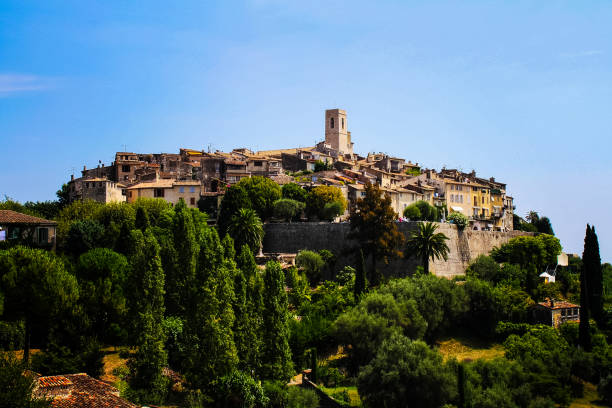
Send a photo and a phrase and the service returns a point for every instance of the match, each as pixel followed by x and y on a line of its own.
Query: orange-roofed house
pixel 15 226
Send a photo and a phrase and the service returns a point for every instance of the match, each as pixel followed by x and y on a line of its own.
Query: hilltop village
pixel 200 177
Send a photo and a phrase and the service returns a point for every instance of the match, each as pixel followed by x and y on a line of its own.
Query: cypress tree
pixel 148 309
pixel 584 330
pixel 181 281
pixel 210 349
pixel 592 263
pixel 461 385
pixel 253 324
pixel 142 219
pixel 360 275
pixel 276 360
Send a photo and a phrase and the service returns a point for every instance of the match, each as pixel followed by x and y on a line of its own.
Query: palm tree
pixel 245 227
pixel 426 243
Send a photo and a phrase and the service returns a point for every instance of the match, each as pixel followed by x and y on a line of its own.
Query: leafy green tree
pixel 373 227
pixel 238 390
pixel 545 357
pixel 425 243
pixel 540 224
pixel 412 212
pixel 312 264
pixel 332 210
pixel 293 191
pixel 75 211
pixel 246 228
pixel 36 287
pixel 262 193
pixel 288 209
pixel 148 305
pixel 63 196
pixel 154 207
pixel 484 267
pixel 276 357
pixel 440 301
pixel 210 351
pixel 483 310
pixel 235 198
pixel 406 371
pixel 46 209
pixel 421 211
pixel 112 216
pixel 374 320
pixel 320 196
pixel 16 387
pixel 102 275
pixel 83 236
pixel 321 165
pixel 604 389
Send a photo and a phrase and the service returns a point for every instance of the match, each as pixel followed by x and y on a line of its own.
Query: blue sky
pixel 517 90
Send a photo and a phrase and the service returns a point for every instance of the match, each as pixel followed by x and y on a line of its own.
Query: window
pixel 192 201
pixel 331 123
pixel 125 168
pixel 258 164
pixel 483 200
pixel 475 201
pixel 181 189
pixel 192 189
pixel 452 198
pixel 452 187
pixel 158 192
pixel 342 123
pixel 43 235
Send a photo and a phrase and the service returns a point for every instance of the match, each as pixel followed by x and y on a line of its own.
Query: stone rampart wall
pixel 464 245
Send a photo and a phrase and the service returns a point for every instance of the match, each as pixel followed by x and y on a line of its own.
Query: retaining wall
pixel 464 245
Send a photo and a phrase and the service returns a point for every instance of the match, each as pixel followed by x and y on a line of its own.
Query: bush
pixel 293 191
pixel 288 209
pixel 458 219
pixel 346 277
pixel 238 390
pixel 277 394
pixel 421 211
pixel 332 210
pixel 317 199
pixel 302 398
pixel 312 264
pixel 604 389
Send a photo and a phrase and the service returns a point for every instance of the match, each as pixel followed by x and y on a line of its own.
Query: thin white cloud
pixel 18 83
pixel 581 54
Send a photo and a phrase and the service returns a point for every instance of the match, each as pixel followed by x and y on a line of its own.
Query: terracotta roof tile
pixel 80 391
pixel 13 217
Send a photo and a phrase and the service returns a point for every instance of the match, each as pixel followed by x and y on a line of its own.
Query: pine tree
pixel 360 275
pixel 148 307
pixel 584 330
pixel 276 360
pixel 592 264
pixel 210 349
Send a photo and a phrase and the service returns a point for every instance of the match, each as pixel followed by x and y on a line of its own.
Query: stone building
pixel 22 227
pixel 168 189
pixel 555 312
pixel 336 134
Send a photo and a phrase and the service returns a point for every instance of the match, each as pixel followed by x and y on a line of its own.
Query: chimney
pixel 84 168
pixel 72 177
pixel 552 303
pixel 492 179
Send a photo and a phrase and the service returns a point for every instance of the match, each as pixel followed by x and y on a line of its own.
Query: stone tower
pixel 336 133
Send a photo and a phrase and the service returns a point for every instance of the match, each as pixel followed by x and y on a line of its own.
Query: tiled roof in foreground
pixel 80 391
pixel 13 217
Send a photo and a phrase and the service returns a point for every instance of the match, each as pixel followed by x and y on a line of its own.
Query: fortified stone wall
pixel 464 245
